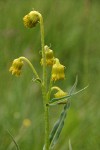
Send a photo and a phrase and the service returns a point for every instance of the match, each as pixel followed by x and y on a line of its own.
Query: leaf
pixel 73 87
pixel 58 126
pixel 55 101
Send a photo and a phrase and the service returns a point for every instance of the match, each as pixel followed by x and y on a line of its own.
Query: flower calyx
pixel 57 71
pixel 31 19
pixel 16 67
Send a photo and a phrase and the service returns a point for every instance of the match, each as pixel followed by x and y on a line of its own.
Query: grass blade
pixel 17 147
pixel 70 146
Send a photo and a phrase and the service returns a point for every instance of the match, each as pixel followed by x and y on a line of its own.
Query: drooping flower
pixel 60 94
pixel 16 67
pixel 57 71
pixel 31 19
pixel 49 56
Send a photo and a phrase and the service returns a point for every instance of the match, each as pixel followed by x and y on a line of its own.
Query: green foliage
pixel 55 133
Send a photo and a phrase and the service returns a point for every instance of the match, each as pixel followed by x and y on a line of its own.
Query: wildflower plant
pixel 57 73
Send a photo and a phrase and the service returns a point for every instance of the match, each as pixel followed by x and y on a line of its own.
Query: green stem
pixel 44 86
pixel 49 90
pixel 30 64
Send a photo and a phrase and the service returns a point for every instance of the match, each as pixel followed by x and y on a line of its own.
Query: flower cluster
pixel 16 67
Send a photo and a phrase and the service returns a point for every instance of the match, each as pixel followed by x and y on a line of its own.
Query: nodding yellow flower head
pixel 49 56
pixel 26 122
pixel 57 71
pixel 60 94
pixel 16 67
pixel 31 19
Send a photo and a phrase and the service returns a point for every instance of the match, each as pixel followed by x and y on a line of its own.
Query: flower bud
pixel 16 67
pixel 57 71
pixel 31 19
pixel 49 56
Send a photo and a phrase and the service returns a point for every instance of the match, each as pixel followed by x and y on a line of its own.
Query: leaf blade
pixel 55 133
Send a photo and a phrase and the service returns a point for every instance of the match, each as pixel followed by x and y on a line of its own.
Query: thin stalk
pixel 44 86
pixel 50 89
pixel 31 66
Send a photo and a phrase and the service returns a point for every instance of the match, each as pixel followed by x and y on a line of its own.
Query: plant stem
pixel 44 87
pixel 31 66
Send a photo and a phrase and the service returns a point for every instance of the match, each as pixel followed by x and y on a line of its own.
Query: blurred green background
pixel 72 28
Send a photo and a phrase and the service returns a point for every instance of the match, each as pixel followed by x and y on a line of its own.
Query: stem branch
pixel 30 64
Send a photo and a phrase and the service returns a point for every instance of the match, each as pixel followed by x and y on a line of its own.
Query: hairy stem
pixel 44 87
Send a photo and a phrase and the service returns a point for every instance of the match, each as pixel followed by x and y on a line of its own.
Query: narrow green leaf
pixel 74 86
pixel 58 126
pixel 58 100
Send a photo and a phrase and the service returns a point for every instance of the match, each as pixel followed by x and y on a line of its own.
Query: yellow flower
pixel 31 19
pixel 49 56
pixel 16 67
pixel 58 71
pixel 26 122
pixel 60 94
